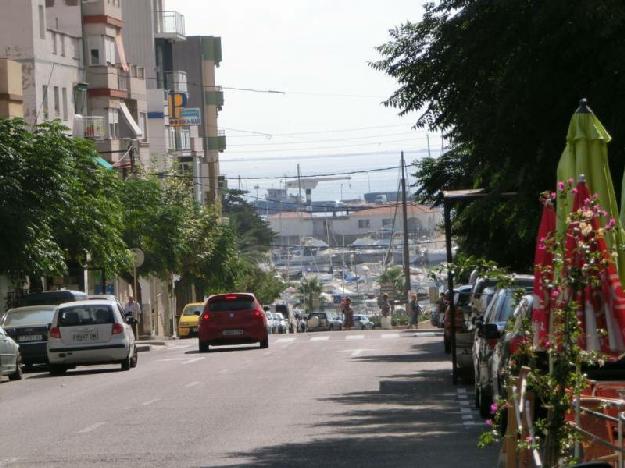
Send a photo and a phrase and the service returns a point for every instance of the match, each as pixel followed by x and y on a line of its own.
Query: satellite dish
pixel 137 257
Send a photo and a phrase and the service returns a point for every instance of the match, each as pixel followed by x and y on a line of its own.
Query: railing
pixel 92 127
pixel 176 81
pixel 168 23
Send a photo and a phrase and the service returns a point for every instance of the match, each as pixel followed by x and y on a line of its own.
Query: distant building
pixel 11 99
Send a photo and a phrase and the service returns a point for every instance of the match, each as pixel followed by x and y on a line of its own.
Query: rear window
pixel 52 298
pixel 86 315
pixel 25 318
pixel 193 310
pixel 224 304
pixel 281 308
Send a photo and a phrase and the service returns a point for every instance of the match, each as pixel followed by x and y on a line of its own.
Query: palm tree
pixel 393 276
pixel 309 291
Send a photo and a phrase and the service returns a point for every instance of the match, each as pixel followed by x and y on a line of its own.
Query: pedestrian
pixel 385 309
pixel 415 311
pixel 132 310
pixel 348 313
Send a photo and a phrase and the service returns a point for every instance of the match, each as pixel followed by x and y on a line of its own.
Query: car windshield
pixel 23 318
pixel 279 316
pixel 193 310
pixel 86 315
pixel 231 303
pixel 505 307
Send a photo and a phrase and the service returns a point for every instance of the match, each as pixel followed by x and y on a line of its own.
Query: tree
pixel 501 79
pixel 309 291
pixel 266 285
pixel 395 277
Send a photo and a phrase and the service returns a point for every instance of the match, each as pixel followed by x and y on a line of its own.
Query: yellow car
pixel 190 319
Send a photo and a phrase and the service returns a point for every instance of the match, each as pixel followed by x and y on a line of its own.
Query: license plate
pixel 232 332
pixel 84 337
pixel 30 338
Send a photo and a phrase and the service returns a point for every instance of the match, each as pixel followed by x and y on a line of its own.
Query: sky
pixel 317 53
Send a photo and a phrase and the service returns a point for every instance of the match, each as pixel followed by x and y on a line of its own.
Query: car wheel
pixel 203 347
pixel 264 343
pixel 486 400
pixel 126 363
pixel 17 375
pixel 447 345
pixel 57 369
pixel 135 358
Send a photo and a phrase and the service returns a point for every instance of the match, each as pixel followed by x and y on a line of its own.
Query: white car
pixel 89 333
pixel 272 322
pixel 10 360
pixel 362 322
pixel 283 325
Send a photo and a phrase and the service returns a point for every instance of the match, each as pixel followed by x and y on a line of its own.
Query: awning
pixel 130 120
pixel 103 162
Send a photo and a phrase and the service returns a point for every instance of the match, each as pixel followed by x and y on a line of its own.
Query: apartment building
pixel 11 99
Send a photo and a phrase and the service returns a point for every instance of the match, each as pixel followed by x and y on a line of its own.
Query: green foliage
pixel 309 291
pixel 266 285
pixel 505 103
pixel 395 277
pixel 56 203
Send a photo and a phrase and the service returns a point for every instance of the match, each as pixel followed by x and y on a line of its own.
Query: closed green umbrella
pixel 586 152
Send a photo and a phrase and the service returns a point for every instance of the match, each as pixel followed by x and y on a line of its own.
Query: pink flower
pixel 555 293
pixel 553 195
pixel 560 186
pixel 493 408
pixel 611 224
pixel 574 190
pixel 571 182
pixel 489 422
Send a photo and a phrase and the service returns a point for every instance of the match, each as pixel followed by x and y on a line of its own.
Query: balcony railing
pixel 214 97
pixel 176 81
pixel 92 127
pixel 216 143
pixel 169 25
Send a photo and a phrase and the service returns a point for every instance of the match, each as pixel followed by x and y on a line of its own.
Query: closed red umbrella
pixel 543 274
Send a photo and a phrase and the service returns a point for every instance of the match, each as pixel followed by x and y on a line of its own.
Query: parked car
pixel 489 332
pixel 481 295
pixel 52 297
pixel 335 322
pixel 10 359
pixel 288 314
pixel 509 344
pixel 232 319
pixel 190 319
pixel 464 335
pixel 272 322
pixel 90 332
pixel 108 297
pixel 283 326
pixel 318 321
pixel 362 322
pixel 28 326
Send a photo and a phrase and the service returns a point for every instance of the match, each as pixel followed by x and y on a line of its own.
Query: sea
pixel 359 173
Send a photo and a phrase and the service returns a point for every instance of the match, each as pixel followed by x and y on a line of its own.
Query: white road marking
pixel 320 338
pixel 427 334
pixel 466 410
pixel 357 352
pixel 149 402
pixel 285 340
pixel 467 416
pixel 93 427
pixel 473 423
pixel 192 384
pixel 224 371
pixel 355 337
pixel 390 335
pixel 464 402
pixel 461 390
pixel 192 360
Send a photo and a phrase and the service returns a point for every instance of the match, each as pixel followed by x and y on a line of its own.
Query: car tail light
pixel 206 316
pixel 231 297
pixel 117 328
pixel 55 332
pixel 259 313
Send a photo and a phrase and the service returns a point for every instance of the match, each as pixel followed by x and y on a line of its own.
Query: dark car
pixel 28 326
pixel 52 298
pixel 230 319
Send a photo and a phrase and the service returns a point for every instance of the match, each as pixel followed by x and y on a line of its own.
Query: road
pixel 370 398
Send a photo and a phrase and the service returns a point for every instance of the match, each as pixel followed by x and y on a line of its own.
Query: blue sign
pixel 188 116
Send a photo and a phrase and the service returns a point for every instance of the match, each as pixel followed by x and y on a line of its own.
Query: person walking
pixel 385 309
pixel 132 310
pixel 415 311
pixel 348 314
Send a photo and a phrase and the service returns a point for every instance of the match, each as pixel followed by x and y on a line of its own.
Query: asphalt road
pixel 371 398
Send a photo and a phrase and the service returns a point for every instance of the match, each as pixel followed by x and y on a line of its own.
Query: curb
pixel 152 342
pixel 142 348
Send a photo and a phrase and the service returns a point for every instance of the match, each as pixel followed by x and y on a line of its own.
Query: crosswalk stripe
pixel 355 337
pixel 320 338
pixel 285 340
pixel 390 335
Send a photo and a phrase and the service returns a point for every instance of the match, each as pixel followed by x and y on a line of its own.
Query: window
pixel 53 42
pixel 62 40
pixel 110 50
pixel 143 123
pixel 57 107
pixel 44 102
pixel 363 223
pixel 171 138
pixel 76 46
pixel 113 119
pixel 64 94
pixel 42 23
pixel 387 222
pixel 95 55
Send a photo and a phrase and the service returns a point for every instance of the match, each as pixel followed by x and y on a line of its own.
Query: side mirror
pixel 491 332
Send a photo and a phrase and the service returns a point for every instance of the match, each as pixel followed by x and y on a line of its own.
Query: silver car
pixel 89 333
pixel 10 360
pixel 362 322
pixel 283 325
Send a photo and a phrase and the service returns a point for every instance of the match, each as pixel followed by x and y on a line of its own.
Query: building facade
pixel 11 99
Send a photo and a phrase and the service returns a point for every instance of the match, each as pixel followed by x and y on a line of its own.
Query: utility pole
pixel 427 135
pixel 299 185
pixel 405 223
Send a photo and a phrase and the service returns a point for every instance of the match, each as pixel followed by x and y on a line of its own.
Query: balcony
pixel 216 143
pixel 214 97
pixel 92 127
pixel 169 25
pixel 176 81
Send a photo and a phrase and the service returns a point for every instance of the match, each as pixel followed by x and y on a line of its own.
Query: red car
pixel 230 319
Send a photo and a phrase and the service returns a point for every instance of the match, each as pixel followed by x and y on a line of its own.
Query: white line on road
pixel 427 334
pixel 355 337
pixel 357 352
pixel 224 371
pixel 473 423
pixel 93 427
pixel 320 338
pixel 466 410
pixel 285 340
pixel 461 390
pixel 192 360
pixel 149 402
pixel 464 402
pixel 192 384
pixel 467 416
pixel 390 335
